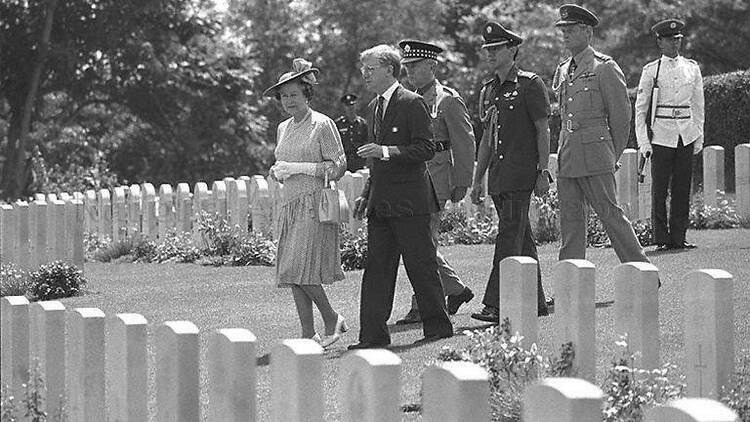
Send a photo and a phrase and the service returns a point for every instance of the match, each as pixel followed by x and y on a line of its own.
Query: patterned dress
pixel 308 251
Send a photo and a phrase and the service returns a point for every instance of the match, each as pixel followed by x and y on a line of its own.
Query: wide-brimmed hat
pixel 301 69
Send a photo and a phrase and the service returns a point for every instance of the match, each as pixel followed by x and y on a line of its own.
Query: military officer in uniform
pixel 452 166
pixel 676 132
pixel 515 109
pixel 353 131
pixel 595 116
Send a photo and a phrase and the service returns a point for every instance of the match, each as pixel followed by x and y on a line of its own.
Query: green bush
pixel 92 243
pixel 629 390
pixel 219 237
pixel 254 249
pixel 176 247
pixel 737 394
pixel 14 281
pixel 719 216
pixel 56 280
pixel 114 251
pixel 511 366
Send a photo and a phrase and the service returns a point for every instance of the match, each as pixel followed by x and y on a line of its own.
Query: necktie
pixel 571 68
pixel 378 125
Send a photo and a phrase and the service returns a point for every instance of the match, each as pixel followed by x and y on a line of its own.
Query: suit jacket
pixel 595 113
pixel 401 186
pixel 451 122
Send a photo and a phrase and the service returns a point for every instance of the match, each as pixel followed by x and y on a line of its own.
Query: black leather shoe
pixel 683 245
pixel 433 337
pixel 366 345
pixel 455 301
pixel 661 247
pixel 488 314
pixel 412 317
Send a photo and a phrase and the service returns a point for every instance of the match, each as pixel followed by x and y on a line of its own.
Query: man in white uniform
pixel 669 116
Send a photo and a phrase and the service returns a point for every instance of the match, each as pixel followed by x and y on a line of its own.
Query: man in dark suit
pixel 398 200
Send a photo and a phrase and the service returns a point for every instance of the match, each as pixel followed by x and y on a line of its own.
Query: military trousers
pixel 450 281
pixel 598 191
pixel 514 238
pixel 671 170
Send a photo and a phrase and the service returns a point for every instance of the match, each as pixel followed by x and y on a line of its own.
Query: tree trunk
pixel 14 174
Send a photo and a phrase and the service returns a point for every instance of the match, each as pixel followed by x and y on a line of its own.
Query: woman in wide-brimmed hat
pixel 308 149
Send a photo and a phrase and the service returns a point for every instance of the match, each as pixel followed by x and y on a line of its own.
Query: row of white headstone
pixel 79 369
pixel 137 210
pixel 43 231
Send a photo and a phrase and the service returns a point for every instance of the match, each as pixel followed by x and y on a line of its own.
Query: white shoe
pixel 340 329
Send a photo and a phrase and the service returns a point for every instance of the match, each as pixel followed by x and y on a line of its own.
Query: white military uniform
pixel 680 105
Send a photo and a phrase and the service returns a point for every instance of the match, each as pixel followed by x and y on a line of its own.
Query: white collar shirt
pixel 680 102
pixel 388 94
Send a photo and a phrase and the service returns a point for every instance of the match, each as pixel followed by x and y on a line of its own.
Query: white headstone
pixel 23 241
pixel 39 235
pixel 562 400
pixel 575 300
pixel 91 214
pixel 742 179
pixel 85 362
pixel 135 214
pixel 518 296
pixel 104 206
pixel 238 206
pixel 74 226
pixel 167 215
pixel 455 392
pixel 627 183
pixel 58 246
pixel 691 410
pixel 184 208
pixel 177 378
pixel 296 381
pixel 219 189
pixel 713 173
pixel 637 310
pixel 644 191
pixel 709 332
pixel 231 373
pixel 14 321
pixel 119 215
pixel 127 369
pixel 8 235
pixel 370 387
pixel 48 345
pixel 148 211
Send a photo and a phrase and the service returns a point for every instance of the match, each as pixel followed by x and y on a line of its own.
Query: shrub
pixel 254 249
pixel 737 394
pixel 14 281
pixel 218 235
pixel 629 390
pixel 176 247
pixel 56 280
pixel 114 251
pixel 8 407
pixel 720 216
pixel 353 249
pixel 511 366
pixel 547 227
pixel 92 243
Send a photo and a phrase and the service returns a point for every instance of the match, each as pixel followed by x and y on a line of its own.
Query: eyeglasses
pixel 369 69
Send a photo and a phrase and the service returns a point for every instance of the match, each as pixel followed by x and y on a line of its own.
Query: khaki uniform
pixel 595 116
pixel 453 163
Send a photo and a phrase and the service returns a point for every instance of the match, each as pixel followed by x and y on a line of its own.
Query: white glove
pixel 698 146
pixel 645 149
pixel 283 169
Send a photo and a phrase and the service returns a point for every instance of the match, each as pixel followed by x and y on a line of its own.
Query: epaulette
pixel 651 63
pixel 602 57
pixel 525 74
pixel 564 61
pixel 691 61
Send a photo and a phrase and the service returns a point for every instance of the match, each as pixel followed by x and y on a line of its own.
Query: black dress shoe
pixel 433 337
pixel 661 247
pixel 455 301
pixel 488 314
pixel 412 317
pixel 366 345
pixel 683 245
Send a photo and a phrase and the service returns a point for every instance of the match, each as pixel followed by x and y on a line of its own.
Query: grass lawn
pixel 246 297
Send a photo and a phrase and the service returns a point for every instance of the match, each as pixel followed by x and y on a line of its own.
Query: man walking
pixel 452 166
pixel 595 112
pixel 515 110
pixel 398 199
pixel 676 132
pixel 353 131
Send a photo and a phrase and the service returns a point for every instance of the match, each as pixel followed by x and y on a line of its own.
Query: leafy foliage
pixel 630 390
pixel 511 366
pixel 353 249
pixel 719 216
pixel 56 280
pixel 737 394
pixel 14 281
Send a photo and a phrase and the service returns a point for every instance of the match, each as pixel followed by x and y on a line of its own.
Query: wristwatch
pixel 542 171
pixel 386 153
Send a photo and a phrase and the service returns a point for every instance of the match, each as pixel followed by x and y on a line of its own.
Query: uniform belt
pixel 572 125
pixel 442 146
pixel 678 112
